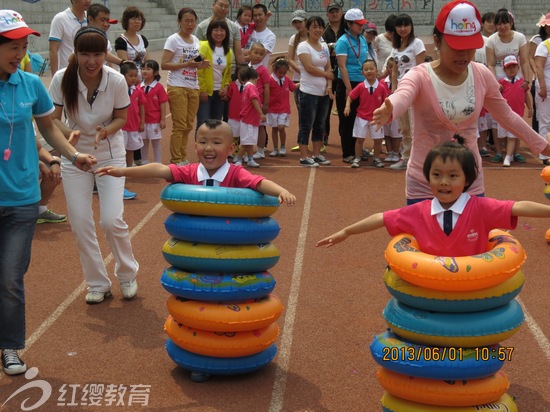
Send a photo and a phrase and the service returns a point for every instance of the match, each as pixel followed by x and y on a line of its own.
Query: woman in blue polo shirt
pixel 351 52
pixel 22 96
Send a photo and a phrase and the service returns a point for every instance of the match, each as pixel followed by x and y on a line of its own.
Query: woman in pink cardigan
pixel 447 96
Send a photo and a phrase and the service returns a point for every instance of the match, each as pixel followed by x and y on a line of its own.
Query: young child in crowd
pixel 156 102
pixel 278 116
pixel 213 144
pixel 234 97
pixel 517 98
pixel 450 168
pixel 135 123
pixel 392 132
pixel 245 23
pixel 251 115
pixel 257 53
pixel 371 94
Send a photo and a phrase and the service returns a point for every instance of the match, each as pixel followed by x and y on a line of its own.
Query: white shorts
pixel 361 127
pixel 249 134
pixel 492 123
pixel 483 122
pixel 235 126
pixel 392 130
pixel 132 140
pixel 277 119
pixel 502 132
pixel 152 131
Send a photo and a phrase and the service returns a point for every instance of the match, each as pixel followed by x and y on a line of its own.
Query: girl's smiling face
pixel 245 18
pixel 447 180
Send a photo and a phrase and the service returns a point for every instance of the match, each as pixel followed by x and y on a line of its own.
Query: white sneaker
pixel 253 163
pixel 507 161
pixel 258 155
pixel 245 159
pixel 129 289
pixel 282 151
pixel 274 153
pixel 400 165
pixel 356 162
pixel 389 157
pixel 95 296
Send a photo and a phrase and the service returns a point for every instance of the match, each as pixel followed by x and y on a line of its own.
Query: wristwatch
pixel 74 157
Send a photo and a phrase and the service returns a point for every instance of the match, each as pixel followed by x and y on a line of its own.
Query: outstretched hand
pixel 110 170
pixel 287 197
pixel 383 114
pixel 333 239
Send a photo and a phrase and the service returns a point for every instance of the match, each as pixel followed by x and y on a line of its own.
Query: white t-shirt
pixel 536 40
pixel 112 94
pixel 183 52
pixel 313 84
pixel 295 75
pixel 542 51
pixel 406 59
pixel 457 102
pixel 501 50
pixel 63 29
pixel 383 47
pixel 219 61
pixel 267 38
pixel 480 55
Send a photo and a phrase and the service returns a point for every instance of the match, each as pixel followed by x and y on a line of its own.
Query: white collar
pixel 457 207
pixel 516 78
pixel 219 176
pixel 254 66
pixel 374 86
pixel 277 79
pixel 153 84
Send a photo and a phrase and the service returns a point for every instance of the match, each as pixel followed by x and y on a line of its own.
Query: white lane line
pixel 535 329
pixel 71 298
pixel 283 358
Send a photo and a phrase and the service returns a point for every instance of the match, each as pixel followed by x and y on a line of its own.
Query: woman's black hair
pixel 315 19
pixel 389 24
pixel 503 16
pixel 129 13
pixel 542 33
pixel 403 20
pixel 214 24
pixel 453 150
pixel 186 10
pixel 86 40
pixel 126 67
pixel 153 65
pixel 4 39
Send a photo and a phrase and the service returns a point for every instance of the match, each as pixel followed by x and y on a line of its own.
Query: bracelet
pixel 55 162
pixel 74 157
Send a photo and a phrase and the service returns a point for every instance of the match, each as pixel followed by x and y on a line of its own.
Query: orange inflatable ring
pixel 226 316
pixel 391 403
pixel 220 344
pixel 444 393
pixel 545 174
pixel 504 258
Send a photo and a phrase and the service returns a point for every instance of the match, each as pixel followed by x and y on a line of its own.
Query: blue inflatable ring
pixel 397 355
pixel 219 366
pixel 211 288
pixel 222 230
pixel 217 201
pixel 469 330
pixel 214 258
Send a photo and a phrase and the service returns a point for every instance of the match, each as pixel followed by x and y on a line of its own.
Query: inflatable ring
pixel 444 393
pixel 219 366
pixel 391 403
pixel 220 344
pixel 391 352
pixel 504 258
pixel 217 201
pixel 226 316
pixel 236 286
pixel 224 230
pixel 454 329
pixel 211 258
pixel 545 174
pixel 440 301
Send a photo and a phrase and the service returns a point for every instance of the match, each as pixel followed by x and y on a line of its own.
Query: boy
pixel 213 144
pixel 517 97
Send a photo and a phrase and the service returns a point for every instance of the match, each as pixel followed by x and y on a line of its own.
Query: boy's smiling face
pixel 213 146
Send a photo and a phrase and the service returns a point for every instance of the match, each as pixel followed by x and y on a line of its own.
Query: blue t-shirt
pixel 356 55
pixel 22 96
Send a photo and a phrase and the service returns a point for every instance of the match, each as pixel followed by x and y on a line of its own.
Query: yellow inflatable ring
pixel 221 344
pixel 444 393
pixel 442 301
pixel 504 258
pixel 226 316
pixel 391 403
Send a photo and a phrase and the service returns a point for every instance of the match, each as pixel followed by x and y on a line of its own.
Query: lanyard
pixel 358 54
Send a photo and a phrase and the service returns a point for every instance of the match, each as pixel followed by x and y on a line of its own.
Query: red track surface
pixel 333 302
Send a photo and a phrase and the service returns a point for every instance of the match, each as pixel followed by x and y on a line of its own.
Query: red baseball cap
pixel 460 23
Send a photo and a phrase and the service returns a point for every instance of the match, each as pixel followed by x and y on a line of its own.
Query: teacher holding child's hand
pixel 447 96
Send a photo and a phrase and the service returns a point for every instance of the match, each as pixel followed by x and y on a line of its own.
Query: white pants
pixel 78 188
pixel 543 116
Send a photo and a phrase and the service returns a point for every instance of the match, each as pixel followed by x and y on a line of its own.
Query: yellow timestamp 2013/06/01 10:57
pixel 433 353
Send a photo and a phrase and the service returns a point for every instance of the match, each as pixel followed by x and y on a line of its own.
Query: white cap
pixel 355 15
pixel 509 60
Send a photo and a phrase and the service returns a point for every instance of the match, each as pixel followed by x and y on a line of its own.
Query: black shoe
pixel 12 363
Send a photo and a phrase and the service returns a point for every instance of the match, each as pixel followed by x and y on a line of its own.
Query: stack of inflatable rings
pixel 222 312
pixel 446 319
pixel 545 175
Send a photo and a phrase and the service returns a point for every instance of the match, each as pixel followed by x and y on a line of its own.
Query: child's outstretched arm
pixel 526 208
pixel 368 224
pixel 268 187
pixel 149 170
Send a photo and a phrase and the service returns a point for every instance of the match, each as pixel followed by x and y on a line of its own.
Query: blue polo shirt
pixel 22 96
pixel 356 52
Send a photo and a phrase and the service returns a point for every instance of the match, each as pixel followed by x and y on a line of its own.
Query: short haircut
pixel 213 124
pixel 259 6
pixel 489 16
pixel 214 24
pixel 248 73
pixel 126 67
pixel 129 13
pixel 96 8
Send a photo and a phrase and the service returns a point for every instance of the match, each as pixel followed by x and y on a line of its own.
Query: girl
pixel 156 101
pixel 131 45
pixel 257 53
pixel 392 133
pixel 181 57
pixel 278 116
pixel 407 52
pixel 234 93
pixel 450 168
pixel 95 100
pixel 245 23
pixel 214 80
